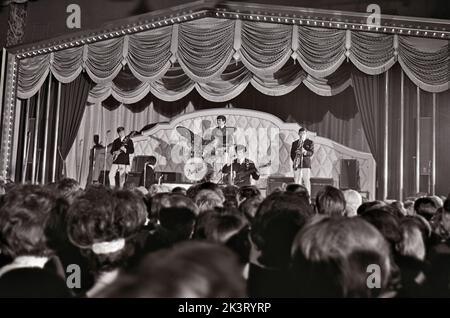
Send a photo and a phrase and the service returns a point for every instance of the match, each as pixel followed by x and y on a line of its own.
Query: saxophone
pixel 298 160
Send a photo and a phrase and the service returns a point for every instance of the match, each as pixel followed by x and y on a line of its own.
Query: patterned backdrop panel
pixel 267 138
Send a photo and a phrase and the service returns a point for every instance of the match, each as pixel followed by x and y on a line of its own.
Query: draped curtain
pixel 72 107
pixel 220 57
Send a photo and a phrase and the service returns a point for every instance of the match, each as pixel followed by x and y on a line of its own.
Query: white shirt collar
pixel 24 262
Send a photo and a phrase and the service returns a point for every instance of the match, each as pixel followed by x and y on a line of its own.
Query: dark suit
pixel 150 177
pixel 243 171
pixel 308 145
pixel 123 158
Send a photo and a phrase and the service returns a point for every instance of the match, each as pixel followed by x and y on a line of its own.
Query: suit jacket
pixel 308 145
pixel 123 158
pixel 243 171
pixel 150 177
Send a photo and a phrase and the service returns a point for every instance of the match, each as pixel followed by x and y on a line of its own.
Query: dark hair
pixel 103 215
pixel 179 190
pixel 221 117
pixel 152 160
pixel 25 218
pixel 275 225
pixel 302 129
pixel 68 189
pixel 386 223
pixel 331 257
pixel 119 129
pixel 250 206
pixel 248 191
pixel 368 205
pixel 298 189
pixel 217 227
pixel 330 201
pixel 189 269
pixel 425 207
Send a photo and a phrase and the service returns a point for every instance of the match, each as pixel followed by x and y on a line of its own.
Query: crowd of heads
pixel 219 241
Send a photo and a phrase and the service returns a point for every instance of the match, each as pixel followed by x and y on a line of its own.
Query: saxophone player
pixel 121 150
pixel 301 152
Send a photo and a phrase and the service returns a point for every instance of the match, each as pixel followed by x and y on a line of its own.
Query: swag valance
pixel 220 57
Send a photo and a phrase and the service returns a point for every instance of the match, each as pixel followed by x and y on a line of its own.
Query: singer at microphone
pixel 303 149
pixel 121 150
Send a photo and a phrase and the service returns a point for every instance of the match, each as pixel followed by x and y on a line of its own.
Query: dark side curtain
pixel 368 92
pixel 73 103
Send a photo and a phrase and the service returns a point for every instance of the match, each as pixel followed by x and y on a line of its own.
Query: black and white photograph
pixel 245 151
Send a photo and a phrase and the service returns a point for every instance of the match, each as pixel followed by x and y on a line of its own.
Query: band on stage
pixel 230 164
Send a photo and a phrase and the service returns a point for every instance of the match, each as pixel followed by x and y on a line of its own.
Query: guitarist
pixel 121 149
pixel 243 168
pixel 301 152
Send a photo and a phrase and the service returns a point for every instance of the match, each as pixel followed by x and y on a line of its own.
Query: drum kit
pixel 207 164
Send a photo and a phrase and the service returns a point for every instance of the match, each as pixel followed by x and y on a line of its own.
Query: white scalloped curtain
pixel 220 57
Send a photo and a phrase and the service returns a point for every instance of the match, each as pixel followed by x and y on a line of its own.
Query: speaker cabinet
pixel 277 182
pixel 318 184
pixel 169 177
pixel 139 163
pixel 349 177
pixel 134 180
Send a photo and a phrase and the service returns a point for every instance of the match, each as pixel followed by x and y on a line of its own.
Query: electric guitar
pixel 242 175
pixel 118 152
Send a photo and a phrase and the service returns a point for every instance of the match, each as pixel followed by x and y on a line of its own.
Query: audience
pixel 331 257
pixel 25 218
pixel 219 241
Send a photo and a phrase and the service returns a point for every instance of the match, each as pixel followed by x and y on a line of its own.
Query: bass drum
pixel 196 169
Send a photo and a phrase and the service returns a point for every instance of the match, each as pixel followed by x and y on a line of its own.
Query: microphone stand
pixel 145 175
pixel 104 163
pixel 64 163
pixel 25 164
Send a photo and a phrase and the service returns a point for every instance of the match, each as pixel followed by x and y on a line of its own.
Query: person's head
pixel 25 218
pixel 101 223
pixel 330 201
pixel 121 132
pixel 298 189
pixel 221 120
pixel 176 200
pixel 68 189
pixel 179 190
pixel 178 222
pixel 217 227
pixel 352 202
pixel 250 206
pixel 331 258
pixel 246 192
pixel 209 186
pixel 240 151
pixel 208 200
pixel 302 133
pixel 368 205
pixel 412 243
pixel 425 207
pixel 190 269
pixel 408 205
pixel 386 223
pixel 278 219
pixel 152 160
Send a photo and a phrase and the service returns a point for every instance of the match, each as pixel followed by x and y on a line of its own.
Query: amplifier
pixel 318 184
pixel 277 182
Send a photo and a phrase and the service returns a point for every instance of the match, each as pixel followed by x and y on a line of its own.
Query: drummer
pixel 222 136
